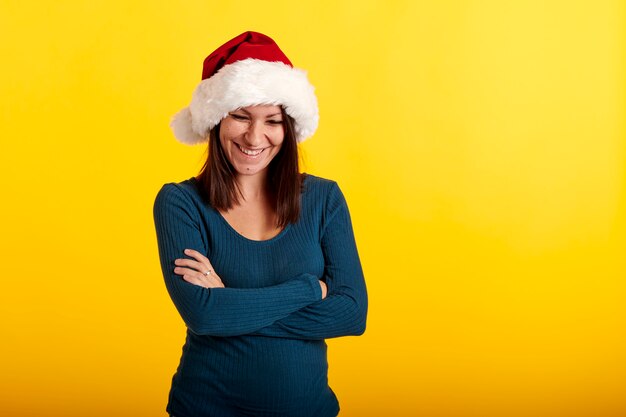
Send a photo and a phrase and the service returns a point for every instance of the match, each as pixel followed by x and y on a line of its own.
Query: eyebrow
pixel 268 116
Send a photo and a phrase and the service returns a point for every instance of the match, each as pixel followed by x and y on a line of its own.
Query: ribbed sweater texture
pixel 256 347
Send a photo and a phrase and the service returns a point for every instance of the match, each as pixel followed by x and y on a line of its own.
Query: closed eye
pixel 275 122
pixel 238 116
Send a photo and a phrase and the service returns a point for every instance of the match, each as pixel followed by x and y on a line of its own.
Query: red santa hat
pixel 248 70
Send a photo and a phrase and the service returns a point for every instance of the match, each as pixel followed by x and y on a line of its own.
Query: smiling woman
pixel 259 259
pixel 259 143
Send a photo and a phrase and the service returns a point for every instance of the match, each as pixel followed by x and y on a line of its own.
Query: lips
pixel 249 152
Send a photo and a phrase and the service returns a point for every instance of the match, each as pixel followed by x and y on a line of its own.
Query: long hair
pixel 220 189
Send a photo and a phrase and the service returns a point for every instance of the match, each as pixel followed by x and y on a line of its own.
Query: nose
pixel 255 135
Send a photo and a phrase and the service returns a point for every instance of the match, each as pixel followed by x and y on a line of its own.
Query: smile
pixel 249 152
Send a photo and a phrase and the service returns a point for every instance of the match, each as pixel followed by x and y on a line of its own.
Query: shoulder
pixel 180 194
pixel 322 193
pixel 188 187
pixel 325 203
pixel 318 186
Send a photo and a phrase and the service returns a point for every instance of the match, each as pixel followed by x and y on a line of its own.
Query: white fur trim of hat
pixel 247 83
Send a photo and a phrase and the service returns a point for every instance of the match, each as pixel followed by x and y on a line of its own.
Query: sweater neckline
pixel 235 232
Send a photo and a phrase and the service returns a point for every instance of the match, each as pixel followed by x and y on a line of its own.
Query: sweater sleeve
pixel 218 311
pixel 344 311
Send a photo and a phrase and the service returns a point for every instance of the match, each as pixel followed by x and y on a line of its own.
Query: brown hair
pixel 220 190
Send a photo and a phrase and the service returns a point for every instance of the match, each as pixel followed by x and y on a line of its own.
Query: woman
pixel 259 259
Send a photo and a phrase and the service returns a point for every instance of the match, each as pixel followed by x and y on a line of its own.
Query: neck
pixel 253 187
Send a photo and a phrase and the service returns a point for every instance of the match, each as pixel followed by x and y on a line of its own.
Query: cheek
pixel 278 138
pixel 223 142
pixel 226 134
pixel 276 149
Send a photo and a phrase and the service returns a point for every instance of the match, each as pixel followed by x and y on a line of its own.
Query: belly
pixel 254 373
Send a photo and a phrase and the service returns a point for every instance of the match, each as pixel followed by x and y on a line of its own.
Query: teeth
pixel 249 151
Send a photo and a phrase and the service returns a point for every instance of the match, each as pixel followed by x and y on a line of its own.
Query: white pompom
pixel 181 125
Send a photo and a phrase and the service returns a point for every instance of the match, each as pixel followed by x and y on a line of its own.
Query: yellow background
pixel 480 145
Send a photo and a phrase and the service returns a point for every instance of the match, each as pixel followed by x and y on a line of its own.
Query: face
pixel 251 137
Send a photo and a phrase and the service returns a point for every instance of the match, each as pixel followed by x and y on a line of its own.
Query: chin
pixel 251 171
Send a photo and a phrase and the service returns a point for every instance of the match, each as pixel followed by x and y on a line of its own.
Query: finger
pixel 198 266
pixel 210 279
pixel 183 271
pixel 197 255
pixel 203 280
pixel 198 275
pixel 197 278
pixel 200 258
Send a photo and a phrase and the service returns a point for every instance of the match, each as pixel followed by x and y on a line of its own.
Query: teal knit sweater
pixel 256 347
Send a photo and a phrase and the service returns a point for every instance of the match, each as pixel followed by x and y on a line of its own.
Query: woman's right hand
pixel 324 289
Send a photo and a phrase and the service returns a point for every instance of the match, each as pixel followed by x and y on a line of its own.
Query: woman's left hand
pixel 199 272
